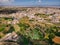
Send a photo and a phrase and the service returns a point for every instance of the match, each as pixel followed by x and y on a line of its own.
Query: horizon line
pixel 52 6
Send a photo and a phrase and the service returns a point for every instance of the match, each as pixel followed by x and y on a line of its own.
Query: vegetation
pixel 31 31
pixel 39 31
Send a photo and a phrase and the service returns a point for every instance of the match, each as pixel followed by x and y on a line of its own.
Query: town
pixel 36 23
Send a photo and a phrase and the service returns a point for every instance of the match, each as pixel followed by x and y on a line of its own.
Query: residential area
pixel 30 25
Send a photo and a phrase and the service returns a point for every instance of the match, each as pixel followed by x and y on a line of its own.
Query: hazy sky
pixel 30 2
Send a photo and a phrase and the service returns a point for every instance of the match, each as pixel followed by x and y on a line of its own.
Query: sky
pixel 30 2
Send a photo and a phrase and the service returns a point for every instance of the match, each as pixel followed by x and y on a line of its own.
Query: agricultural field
pixel 30 26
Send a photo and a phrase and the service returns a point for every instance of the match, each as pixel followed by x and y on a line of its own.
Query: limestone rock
pixel 10 37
